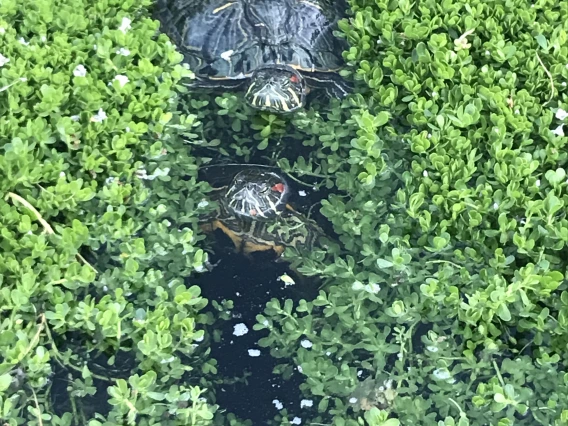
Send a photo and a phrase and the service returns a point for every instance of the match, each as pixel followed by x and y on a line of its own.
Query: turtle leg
pixel 250 247
pixel 237 240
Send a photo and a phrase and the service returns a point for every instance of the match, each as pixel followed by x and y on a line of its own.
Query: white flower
pixel 359 373
pixel 3 31
pixel 302 193
pixel 3 60
pixel 278 404
pixel 125 25
pixel 24 42
pixel 240 330
pixel 99 116
pixel 517 111
pixel 74 117
pixel 563 84
pixel 432 348
pixel 123 51
pixel 300 369
pixel 79 71
pixel 296 421
pixel 353 400
pixel 495 206
pixel 559 131
pixel 487 53
pixel 434 94
pixel 202 203
pixel 537 183
pixel 306 343
pixel 62 174
pixel 254 352
pixel 122 79
pixel 425 173
pixel 199 339
pixel 561 114
pixel 306 403
pixel 43 38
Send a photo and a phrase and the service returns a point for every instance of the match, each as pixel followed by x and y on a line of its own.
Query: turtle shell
pixel 230 39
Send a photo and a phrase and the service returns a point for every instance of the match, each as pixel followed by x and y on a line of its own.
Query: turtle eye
pixel 294 79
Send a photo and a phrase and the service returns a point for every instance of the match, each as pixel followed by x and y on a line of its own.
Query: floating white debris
pixel 302 193
pixel 254 352
pixel 559 131
pixel 123 51
pixel 80 71
pixel 99 116
pixel 240 330
pixel 227 55
pixel 122 79
pixel 278 404
pixel 306 403
pixel 441 374
pixel 3 60
pixel 286 279
pixel 353 400
pixel 306 343
pixel 125 25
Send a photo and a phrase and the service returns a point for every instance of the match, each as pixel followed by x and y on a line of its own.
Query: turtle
pixel 275 50
pixel 253 210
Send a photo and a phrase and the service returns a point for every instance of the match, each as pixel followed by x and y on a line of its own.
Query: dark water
pixel 250 284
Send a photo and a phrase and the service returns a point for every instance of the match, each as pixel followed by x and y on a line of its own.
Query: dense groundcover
pixel 443 298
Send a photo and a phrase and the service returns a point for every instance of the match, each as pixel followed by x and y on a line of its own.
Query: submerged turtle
pixel 279 48
pixel 252 210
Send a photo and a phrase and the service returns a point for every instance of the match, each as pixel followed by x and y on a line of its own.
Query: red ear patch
pixel 279 187
pixel 294 79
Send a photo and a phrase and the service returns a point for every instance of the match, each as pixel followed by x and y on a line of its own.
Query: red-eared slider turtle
pixel 252 210
pixel 277 50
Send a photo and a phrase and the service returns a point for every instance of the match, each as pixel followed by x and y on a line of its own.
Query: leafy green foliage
pixel 93 177
pixel 445 278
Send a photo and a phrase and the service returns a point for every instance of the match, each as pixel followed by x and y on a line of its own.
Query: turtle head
pixel 257 194
pixel 276 88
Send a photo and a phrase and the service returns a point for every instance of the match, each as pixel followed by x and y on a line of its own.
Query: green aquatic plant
pixel 92 295
pixel 446 174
